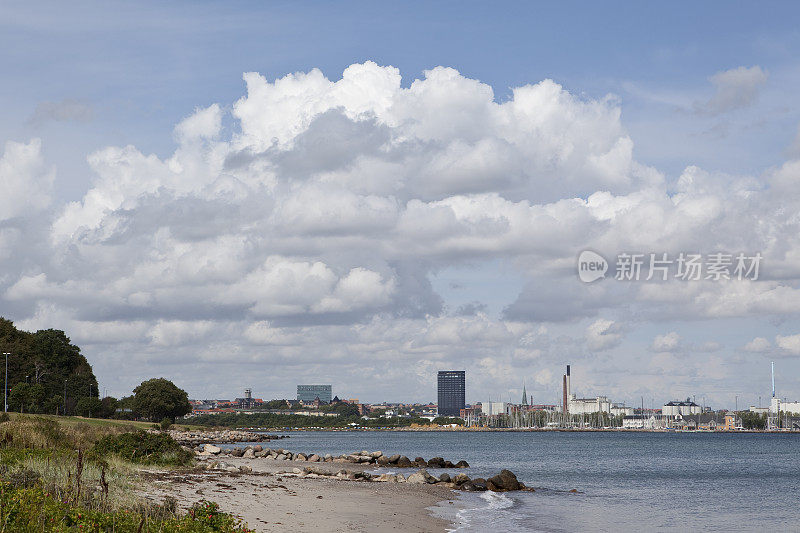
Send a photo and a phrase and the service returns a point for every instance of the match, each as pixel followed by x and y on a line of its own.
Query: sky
pixel 260 194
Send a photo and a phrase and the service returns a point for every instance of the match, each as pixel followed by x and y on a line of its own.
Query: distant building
pixel 777 405
pixel 309 393
pixel 585 406
pixel 494 408
pixel 681 408
pixel 452 388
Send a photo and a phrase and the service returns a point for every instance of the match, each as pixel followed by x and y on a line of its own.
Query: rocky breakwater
pixel 362 457
pixel 505 481
pixel 227 436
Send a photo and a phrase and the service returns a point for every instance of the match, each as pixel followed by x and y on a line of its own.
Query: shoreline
pixel 272 495
pixel 509 430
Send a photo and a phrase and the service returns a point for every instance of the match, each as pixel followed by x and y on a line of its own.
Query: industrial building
pixel 677 407
pixel 309 393
pixel 452 389
pixel 583 406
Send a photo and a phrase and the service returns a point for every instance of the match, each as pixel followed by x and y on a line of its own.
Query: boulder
pixel 260 453
pixel 462 464
pixel 404 462
pixel 478 484
pixel 436 462
pixel 363 452
pixel 444 478
pixel 300 457
pixel 249 453
pixel 401 478
pixel 245 469
pixel 383 460
pixel 449 464
pixel 375 455
pixel 502 482
pixel 460 479
pixel 421 477
pixel 328 458
pixel 210 448
pixel 257 448
pixel 417 478
pixel 237 452
pixel 232 469
pixel 420 461
pixel 314 458
pixel 394 458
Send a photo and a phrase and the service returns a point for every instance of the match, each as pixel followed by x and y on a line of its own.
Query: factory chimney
pixel 569 388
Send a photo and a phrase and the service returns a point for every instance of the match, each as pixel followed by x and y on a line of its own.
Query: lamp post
pixel 5 389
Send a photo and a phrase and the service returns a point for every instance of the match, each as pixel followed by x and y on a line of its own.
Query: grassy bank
pixel 74 475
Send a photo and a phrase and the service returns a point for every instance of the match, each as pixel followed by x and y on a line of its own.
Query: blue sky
pixel 111 74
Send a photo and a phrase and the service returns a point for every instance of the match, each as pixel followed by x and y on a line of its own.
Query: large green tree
pixel 49 362
pixel 159 398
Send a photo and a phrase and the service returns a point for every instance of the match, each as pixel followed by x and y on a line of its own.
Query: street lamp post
pixel 5 389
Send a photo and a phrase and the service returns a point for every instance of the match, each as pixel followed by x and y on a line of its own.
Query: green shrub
pixel 143 448
pixel 33 509
pixel 166 423
pixel 4 417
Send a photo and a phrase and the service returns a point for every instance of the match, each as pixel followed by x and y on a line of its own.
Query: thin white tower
pixel 772 416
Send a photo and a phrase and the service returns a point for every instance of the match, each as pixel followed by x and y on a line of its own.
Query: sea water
pixel 627 481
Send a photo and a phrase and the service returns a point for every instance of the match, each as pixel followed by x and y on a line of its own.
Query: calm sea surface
pixel 627 481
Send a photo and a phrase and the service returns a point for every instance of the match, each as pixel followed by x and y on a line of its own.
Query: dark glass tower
pixel 451 392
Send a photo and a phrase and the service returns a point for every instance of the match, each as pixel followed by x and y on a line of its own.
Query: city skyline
pixel 203 193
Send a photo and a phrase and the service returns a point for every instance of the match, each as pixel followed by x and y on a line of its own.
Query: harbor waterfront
pixel 641 481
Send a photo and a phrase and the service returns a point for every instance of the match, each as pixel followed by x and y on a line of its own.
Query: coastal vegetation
pixel 78 476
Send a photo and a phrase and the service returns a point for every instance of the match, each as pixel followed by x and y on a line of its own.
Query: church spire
pixel 524 395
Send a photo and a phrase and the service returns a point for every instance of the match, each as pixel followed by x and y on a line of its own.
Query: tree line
pixel 47 374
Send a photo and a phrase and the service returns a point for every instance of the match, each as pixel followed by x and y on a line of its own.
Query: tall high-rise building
pixel 451 392
pixel 309 393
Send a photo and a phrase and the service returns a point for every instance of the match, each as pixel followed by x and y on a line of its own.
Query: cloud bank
pixel 300 243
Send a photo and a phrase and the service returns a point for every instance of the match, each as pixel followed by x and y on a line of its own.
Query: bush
pixel 33 509
pixel 4 417
pixel 143 448
pixel 166 423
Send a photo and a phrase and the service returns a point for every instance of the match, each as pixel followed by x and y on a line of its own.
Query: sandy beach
pixel 269 499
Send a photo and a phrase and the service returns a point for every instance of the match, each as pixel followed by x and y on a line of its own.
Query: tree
pixel 108 407
pixel 18 397
pixel 36 395
pixel 50 362
pixel 158 398
pixel 88 407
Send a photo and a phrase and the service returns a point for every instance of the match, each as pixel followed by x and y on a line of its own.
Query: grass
pixel 66 421
pixel 48 481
